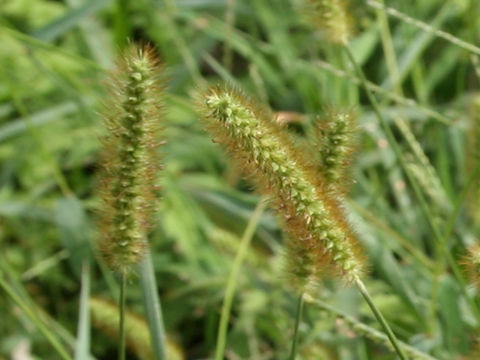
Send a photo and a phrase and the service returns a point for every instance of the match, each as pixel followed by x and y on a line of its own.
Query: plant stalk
pixel 153 308
pixel 82 345
pixel 380 318
pixel 42 327
pixel 121 345
pixel 233 277
pixel 371 333
pixel 298 319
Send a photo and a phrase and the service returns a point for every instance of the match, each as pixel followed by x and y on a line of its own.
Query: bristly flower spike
pixel 332 17
pixel 130 158
pixel 319 236
pixel 471 263
pixel 336 140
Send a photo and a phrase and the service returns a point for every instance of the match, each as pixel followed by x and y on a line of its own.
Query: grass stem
pixel 298 319
pixel 233 277
pixel 82 345
pixel 121 345
pixel 380 318
pixel 122 29
pixel 369 332
pixel 153 308
pixel 42 327
pixel 230 22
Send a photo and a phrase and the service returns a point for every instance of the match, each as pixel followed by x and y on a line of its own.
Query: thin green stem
pixel 380 318
pixel 122 29
pixel 389 50
pixel 153 308
pixel 385 93
pixel 183 48
pixel 57 330
pixel 409 248
pixel 82 345
pixel 392 141
pixel 230 22
pixel 428 28
pixel 233 277
pixel 448 233
pixel 367 331
pixel 423 204
pixel 298 318
pixel 418 152
pixel 44 329
pixel 121 345
pixel 459 202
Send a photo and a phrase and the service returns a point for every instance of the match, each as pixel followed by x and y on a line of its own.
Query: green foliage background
pixel 53 58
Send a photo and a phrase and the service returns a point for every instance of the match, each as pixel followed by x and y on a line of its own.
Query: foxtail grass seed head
pixel 336 140
pixel 320 240
pixel 471 263
pixel 430 185
pixel 130 158
pixel 332 17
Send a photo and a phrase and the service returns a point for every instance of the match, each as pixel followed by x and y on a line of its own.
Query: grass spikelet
pixel 431 185
pixel 130 158
pixel 336 140
pixel 471 263
pixel 320 240
pixel 332 17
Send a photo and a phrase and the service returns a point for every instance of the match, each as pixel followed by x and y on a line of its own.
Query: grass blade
pixel 61 25
pixel 233 277
pixel 298 319
pixel 153 308
pixel 52 339
pixel 82 346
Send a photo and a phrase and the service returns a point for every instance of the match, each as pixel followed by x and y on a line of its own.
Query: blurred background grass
pixel 53 58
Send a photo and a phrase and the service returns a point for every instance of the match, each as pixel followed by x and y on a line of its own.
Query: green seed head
pixel 319 237
pixel 336 140
pixel 130 158
pixel 471 263
pixel 332 17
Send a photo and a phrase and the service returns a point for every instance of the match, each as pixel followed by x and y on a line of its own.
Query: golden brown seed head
pixel 319 237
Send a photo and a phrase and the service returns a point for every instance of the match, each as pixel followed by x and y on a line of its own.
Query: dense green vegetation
pixel 414 202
